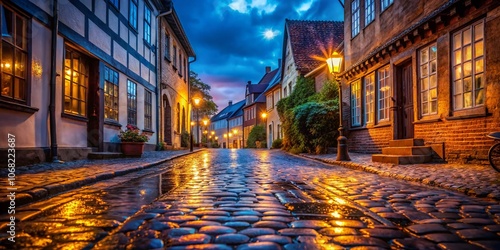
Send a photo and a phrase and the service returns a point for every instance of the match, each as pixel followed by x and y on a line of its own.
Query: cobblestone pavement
pixel 481 180
pixel 40 181
pixel 259 199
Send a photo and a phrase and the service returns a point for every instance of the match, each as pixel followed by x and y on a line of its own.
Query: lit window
pixel 131 103
pixel 14 52
pixel 428 79
pixel 356 103
pixel 385 3
pixel 369 11
pixel 384 94
pixel 147 24
pixel 110 94
pixel 132 14
pixel 468 67
pixel 369 82
pixel 148 109
pixel 355 18
pixel 76 77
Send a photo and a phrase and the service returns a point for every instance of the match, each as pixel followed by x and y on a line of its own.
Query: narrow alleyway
pixel 260 199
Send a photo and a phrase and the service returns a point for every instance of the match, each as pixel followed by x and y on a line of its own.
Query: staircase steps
pixel 406 151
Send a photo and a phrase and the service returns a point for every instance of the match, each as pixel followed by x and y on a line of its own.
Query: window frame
pixel 369 11
pixel 166 54
pixel 111 79
pixel 385 99
pixel 355 18
pixel 133 14
pixel 384 4
pixel 148 110
pixel 369 98
pixel 425 78
pixel 356 103
pixel 147 24
pixel 81 101
pixel 115 4
pixel 24 50
pixel 131 102
pixel 473 64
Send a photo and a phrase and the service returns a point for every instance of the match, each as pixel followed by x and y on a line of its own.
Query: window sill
pixel 464 117
pixel 17 107
pixel 180 75
pixel 112 123
pixel 74 117
pixel 428 120
pixel 146 43
pixel 149 131
pixel 468 113
pixel 167 58
pixel 357 128
pixel 382 125
pixel 174 67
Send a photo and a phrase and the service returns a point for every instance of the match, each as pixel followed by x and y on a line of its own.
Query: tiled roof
pixel 313 41
pixel 256 88
pixel 228 111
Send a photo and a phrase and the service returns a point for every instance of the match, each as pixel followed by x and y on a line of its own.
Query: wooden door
pixel 405 115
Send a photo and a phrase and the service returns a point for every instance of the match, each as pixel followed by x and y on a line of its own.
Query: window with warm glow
pixel 76 77
pixel 369 82
pixel 131 103
pixel 369 11
pixel 148 109
pixel 132 14
pixel 428 80
pixel 384 94
pixel 14 51
pixel 147 24
pixel 110 94
pixel 468 67
pixel 354 18
pixel 356 103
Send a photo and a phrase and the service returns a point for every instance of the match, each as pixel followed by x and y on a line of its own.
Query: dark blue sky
pixel 235 40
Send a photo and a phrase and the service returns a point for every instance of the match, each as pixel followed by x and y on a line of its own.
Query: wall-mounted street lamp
pixel 334 65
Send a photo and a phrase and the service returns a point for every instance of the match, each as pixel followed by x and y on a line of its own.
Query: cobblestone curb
pixel 433 180
pixel 38 193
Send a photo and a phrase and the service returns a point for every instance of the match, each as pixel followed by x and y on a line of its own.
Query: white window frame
pixel 383 93
pixel 356 103
pixel 472 95
pixel 355 22
pixel 369 90
pixel 427 77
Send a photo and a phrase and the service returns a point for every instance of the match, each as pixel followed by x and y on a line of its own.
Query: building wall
pixel 290 72
pixel 174 79
pixel 273 122
pixel 102 34
pixel 456 135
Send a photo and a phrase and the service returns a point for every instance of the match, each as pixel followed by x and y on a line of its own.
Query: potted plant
pixel 132 141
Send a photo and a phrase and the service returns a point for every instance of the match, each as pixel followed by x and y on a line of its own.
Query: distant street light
pixel 334 65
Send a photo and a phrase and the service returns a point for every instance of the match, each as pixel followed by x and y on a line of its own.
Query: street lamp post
pixel 334 65
pixel 191 138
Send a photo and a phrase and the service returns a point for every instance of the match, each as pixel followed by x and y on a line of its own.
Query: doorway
pixel 167 121
pixel 404 114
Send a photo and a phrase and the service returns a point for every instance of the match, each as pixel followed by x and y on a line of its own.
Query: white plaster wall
pixel 120 54
pixel 31 130
pixel 133 64
pixel 122 99
pixel 88 3
pixel 123 31
pixel 44 5
pixel 113 21
pixel 289 74
pixel 132 39
pixel 144 72
pixel 100 10
pixel 99 38
pixel 111 133
pixel 72 17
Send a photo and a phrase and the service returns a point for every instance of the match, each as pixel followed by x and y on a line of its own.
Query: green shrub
pixel 258 133
pixel 278 143
pixel 185 139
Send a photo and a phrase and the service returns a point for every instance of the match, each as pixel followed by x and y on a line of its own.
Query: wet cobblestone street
pixel 260 199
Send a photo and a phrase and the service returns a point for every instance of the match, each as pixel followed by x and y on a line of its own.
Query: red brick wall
pixel 370 140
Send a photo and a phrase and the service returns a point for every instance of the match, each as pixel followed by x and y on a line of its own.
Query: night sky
pixel 234 40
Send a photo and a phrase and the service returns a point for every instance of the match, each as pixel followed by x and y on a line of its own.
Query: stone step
pixel 401 159
pixel 414 150
pixel 104 155
pixel 406 142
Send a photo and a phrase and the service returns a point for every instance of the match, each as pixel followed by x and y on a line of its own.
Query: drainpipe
pixel 159 72
pixel 53 75
pixel 189 98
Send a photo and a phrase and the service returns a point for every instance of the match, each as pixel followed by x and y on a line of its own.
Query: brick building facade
pixel 422 69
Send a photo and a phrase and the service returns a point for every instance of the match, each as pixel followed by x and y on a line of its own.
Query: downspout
pixel 189 92
pixel 159 72
pixel 53 75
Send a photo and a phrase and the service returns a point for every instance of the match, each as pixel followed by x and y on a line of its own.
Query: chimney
pixel 249 82
pixel 230 103
pixel 268 69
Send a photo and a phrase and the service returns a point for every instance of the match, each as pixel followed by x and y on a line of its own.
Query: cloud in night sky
pixel 234 40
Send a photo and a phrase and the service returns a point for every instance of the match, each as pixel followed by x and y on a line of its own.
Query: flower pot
pixel 132 149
